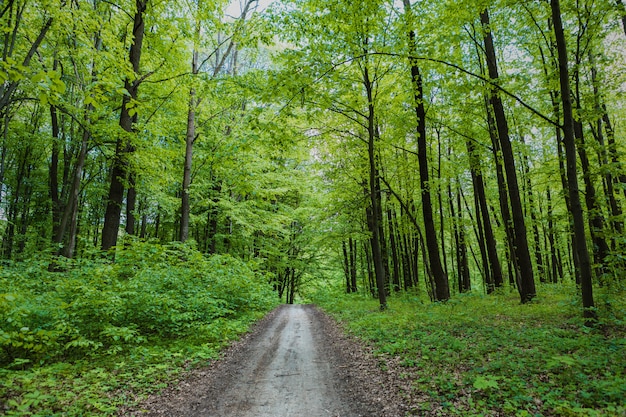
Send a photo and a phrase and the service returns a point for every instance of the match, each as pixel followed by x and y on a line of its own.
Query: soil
pixel 294 362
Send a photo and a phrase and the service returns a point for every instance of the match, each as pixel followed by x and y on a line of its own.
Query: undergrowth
pixel 478 355
pixel 98 334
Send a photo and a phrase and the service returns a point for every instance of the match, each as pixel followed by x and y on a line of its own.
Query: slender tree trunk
pixel 119 171
pixel 394 252
pixel 557 270
pixel 53 172
pixel 621 9
pixel 441 291
pixel 464 279
pixel 8 88
pixel 346 266
pixel 190 137
pixel 608 178
pixel 526 285
pixel 533 218
pixel 569 140
pixel 483 212
pixel 374 193
pixel 353 256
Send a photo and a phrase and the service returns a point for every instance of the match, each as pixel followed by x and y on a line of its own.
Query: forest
pixel 170 171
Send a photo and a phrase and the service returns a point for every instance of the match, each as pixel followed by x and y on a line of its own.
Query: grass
pixel 480 355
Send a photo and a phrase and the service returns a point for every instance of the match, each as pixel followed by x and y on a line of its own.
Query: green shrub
pixel 150 291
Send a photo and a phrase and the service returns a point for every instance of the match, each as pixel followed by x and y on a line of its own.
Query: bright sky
pixel 236 6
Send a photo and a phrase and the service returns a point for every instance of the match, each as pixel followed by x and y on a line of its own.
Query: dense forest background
pixel 170 166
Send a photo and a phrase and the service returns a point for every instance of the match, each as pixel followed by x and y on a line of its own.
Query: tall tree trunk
pixel 533 218
pixel 483 212
pixel 394 251
pixel 120 168
pixel 608 178
pixel 53 172
pixel 442 290
pixel 526 285
pixel 557 268
pixel 569 141
pixel 353 255
pixel 464 279
pixel 374 192
pixel 346 266
pixel 190 137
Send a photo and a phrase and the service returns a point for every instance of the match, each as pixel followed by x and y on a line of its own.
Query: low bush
pixel 107 325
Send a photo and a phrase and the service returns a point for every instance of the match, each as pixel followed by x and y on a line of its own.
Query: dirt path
pixel 295 363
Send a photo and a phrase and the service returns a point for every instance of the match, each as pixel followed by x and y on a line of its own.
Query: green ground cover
pixel 491 356
pixel 98 335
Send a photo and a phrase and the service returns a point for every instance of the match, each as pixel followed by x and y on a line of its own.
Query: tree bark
pixel 374 192
pixel 490 240
pixel 120 168
pixel 569 141
pixel 442 290
pixel 190 138
pixel 526 285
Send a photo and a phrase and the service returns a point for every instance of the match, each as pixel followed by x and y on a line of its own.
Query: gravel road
pixel 294 363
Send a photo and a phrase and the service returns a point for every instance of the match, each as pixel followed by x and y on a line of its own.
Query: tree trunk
pixel 483 212
pixel 190 137
pixel 374 194
pixel 394 252
pixel 53 172
pixel 569 141
pixel 441 291
pixel 526 285
pixel 119 170
pixel 346 266
pixel 533 218
pixel 353 252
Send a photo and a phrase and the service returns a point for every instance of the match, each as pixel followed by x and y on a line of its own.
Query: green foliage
pixel 478 355
pixel 101 326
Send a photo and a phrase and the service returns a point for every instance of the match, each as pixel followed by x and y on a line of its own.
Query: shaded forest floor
pixel 491 356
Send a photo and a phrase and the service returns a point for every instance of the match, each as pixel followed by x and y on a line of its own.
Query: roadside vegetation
pixel 481 355
pixel 103 334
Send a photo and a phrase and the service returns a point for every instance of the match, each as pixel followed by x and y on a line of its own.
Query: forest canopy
pixel 442 147
pixel 172 170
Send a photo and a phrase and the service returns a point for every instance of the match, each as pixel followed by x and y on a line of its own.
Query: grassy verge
pixel 491 356
pixel 99 335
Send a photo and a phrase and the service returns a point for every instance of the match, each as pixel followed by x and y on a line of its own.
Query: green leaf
pixel 485 382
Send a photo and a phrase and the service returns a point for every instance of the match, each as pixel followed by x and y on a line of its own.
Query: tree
pixel 120 172
pixel 526 284
pixel 442 290
pixel 569 142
